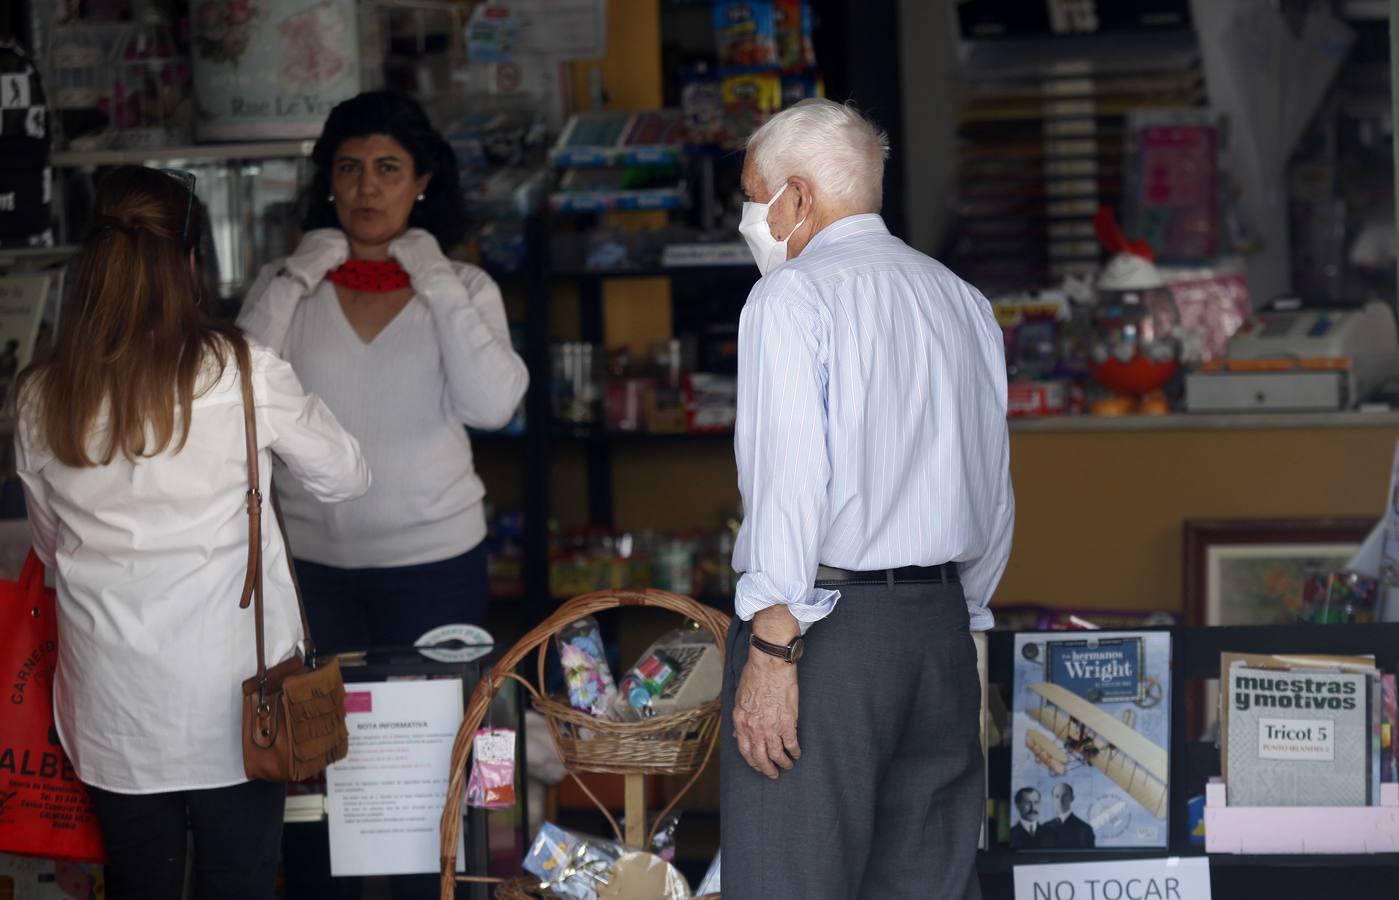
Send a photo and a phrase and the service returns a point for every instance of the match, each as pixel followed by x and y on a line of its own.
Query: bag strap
pixel 252 581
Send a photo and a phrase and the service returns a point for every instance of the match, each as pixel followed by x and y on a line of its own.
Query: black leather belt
pixel 943 574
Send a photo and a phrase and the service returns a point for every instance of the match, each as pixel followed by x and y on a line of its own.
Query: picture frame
pixel 1249 571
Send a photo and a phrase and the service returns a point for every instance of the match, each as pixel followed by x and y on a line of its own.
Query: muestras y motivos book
pixel 1298 731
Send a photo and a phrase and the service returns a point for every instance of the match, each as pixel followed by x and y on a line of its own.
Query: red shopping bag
pixel 44 809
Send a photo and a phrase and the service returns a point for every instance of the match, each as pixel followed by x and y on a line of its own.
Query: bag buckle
pixel 254 497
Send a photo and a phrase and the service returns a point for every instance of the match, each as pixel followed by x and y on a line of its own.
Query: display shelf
pixel 1195 657
pixel 1001 859
pixel 617 201
pixel 212 153
pixel 596 158
pixel 36 255
pixel 1209 422
pixel 745 270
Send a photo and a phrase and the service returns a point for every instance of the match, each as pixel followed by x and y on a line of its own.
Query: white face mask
pixel 768 251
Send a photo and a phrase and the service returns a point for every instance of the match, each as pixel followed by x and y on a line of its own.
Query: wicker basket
pixel 677 744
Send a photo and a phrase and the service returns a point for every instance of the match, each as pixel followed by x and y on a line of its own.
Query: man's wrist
pixel 776 625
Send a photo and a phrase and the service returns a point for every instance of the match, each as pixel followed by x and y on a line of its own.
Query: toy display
pixel 1134 344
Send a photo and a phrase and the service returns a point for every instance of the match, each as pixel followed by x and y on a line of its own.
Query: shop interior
pixel 1206 464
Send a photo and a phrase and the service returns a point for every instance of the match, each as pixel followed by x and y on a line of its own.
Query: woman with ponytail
pixel 130 445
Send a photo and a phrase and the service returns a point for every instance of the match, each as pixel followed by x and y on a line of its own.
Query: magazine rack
pixel 680 743
pixel 1303 870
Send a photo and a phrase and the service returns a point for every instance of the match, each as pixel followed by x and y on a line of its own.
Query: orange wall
pixel 1099 513
pixel 1098 519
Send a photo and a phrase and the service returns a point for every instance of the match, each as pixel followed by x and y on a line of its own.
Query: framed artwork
pixel 1251 571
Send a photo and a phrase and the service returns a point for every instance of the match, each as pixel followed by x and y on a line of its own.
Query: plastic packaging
pixel 591 687
pixel 571 864
pixel 679 671
pixel 646 680
pixel 492 781
pixel 663 844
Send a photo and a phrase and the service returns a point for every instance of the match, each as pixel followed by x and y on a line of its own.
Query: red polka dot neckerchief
pixel 370 275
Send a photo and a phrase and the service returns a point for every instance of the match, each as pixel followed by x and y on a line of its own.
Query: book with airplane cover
pixel 1299 730
pixel 1091 732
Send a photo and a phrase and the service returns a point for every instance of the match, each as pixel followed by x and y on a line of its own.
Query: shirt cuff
pixel 756 592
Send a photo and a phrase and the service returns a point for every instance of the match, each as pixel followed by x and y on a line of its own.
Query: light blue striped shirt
pixel 871 427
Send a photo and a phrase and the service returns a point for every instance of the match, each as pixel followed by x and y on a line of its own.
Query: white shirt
pixel 871 428
pixel 149 559
pixel 443 362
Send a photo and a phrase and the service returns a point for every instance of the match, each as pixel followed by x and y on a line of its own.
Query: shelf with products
pixel 35 257
pixel 739 271
pixel 196 153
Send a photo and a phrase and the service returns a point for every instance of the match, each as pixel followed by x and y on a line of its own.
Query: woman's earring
pixel 330 199
pixel 422 197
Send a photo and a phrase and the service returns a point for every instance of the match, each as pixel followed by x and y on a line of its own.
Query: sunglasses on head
pixel 186 179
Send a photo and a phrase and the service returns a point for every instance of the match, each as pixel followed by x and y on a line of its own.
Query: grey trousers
pixel 888 798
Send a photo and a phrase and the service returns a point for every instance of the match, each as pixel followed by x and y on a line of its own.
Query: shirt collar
pixel 848 227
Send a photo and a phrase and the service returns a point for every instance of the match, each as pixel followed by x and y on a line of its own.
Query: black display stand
pixel 1195 653
pixel 538 277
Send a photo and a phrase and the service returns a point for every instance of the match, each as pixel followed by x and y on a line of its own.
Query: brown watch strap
pixel 781 651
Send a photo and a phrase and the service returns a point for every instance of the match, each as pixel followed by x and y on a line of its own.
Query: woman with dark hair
pixel 406 347
pixel 130 445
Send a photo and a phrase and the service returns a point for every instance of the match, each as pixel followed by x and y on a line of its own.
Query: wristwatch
pixel 788 653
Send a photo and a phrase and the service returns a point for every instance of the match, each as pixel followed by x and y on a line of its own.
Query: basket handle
pixel 538 638
pixel 716 622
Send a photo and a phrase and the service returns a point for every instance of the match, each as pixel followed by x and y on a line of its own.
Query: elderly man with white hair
pixel 873 460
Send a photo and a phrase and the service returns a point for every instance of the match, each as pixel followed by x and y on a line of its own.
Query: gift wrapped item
pixel 571 864
pixel 643 876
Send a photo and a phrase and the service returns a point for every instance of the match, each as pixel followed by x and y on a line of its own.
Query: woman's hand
pixel 319 251
pixel 422 258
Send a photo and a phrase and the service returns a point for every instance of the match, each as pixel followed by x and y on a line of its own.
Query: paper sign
pixel 384 799
pixel 563 29
pixel 1172 878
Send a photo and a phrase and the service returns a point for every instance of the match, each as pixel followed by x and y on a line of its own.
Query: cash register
pixel 1290 358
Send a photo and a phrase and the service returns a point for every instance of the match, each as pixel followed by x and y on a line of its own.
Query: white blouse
pixel 443 362
pixel 149 559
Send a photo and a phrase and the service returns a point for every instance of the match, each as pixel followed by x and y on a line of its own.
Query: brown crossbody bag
pixel 293 713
